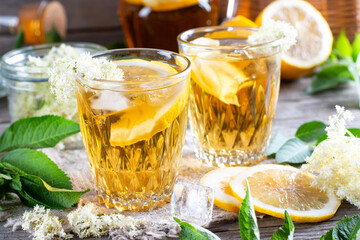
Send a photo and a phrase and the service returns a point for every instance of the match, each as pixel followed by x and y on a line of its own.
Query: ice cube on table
pixel 192 203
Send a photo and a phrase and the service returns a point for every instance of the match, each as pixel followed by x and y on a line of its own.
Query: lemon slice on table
pixel 218 180
pixel 150 114
pixel 276 188
pixel 239 21
pixel 314 41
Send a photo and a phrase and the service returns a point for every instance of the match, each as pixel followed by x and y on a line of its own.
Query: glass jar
pixel 28 87
pixel 156 23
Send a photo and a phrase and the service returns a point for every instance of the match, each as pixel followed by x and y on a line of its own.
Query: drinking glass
pixel 134 130
pixel 233 93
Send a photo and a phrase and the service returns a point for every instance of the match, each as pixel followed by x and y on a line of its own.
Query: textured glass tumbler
pixel 233 93
pixel 134 130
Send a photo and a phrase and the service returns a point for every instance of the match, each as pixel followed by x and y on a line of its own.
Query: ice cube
pixel 109 101
pixel 192 203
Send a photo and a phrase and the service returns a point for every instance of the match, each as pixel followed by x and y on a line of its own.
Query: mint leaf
pixel 192 232
pixel 37 132
pixel 31 162
pixel 310 131
pixel 345 229
pixel 330 76
pixel 276 143
pixel 356 46
pixel 19 42
pixel 354 131
pixel 286 231
pixel 322 138
pixel 342 45
pixel 16 183
pixel 52 36
pixel 36 191
pixel 247 219
pixel 294 151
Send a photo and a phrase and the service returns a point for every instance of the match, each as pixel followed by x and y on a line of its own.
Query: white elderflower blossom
pixel 86 222
pixel 65 71
pixel 336 160
pixel 272 30
pixel 43 225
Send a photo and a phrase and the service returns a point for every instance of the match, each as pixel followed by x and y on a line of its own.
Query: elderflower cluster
pixel 86 222
pixel 64 72
pixel 273 30
pixel 43 225
pixel 336 160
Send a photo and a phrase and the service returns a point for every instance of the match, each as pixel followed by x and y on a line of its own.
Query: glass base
pixel 134 204
pixel 231 158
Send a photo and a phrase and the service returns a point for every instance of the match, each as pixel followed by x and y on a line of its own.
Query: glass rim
pixel 210 29
pixel 160 82
pixel 5 65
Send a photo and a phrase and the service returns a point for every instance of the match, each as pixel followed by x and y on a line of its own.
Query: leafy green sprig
pixel 341 66
pixel 296 149
pixel 30 174
pixel 347 228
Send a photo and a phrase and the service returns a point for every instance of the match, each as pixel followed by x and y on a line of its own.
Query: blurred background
pixel 94 21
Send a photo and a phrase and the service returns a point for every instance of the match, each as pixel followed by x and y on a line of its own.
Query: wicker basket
pixel 339 13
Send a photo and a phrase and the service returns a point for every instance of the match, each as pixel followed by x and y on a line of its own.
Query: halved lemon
pixel 150 113
pixel 276 188
pixel 314 41
pixel 218 180
pixel 239 21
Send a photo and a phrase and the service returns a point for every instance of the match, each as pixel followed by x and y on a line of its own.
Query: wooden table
pixel 294 108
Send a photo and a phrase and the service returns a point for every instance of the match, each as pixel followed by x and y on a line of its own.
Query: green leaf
pixel 354 131
pixel 37 132
pixel 31 162
pixel 356 46
pixel 19 42
pixel 310 131
pixel 343 46
pixel 286 231
pixel 276 143
pixel 247 219
pixel 330 76
pixel 16 183
pixel 322 138
pixel 294 151
pixel 36 191
pixel 345 229
pixel 194 232
pixel 52 36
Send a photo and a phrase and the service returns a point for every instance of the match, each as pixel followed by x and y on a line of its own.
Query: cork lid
pixel 54 14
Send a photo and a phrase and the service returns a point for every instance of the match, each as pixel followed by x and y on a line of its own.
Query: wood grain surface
pixel 294 108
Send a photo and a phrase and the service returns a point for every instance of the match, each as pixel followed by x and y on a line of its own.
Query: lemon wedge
pixel 314 41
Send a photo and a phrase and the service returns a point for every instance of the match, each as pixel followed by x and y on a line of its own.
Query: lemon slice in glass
pixel 151 113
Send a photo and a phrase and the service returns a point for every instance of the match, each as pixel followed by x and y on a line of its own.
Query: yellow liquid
pixel 137 173
pixel 235 129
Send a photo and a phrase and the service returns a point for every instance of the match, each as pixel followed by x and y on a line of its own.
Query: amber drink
pixel 233 94
pixel 134 129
